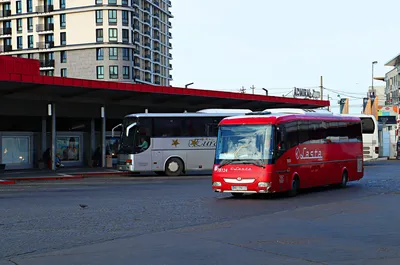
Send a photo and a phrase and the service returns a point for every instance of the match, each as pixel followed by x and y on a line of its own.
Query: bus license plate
pixel 239 188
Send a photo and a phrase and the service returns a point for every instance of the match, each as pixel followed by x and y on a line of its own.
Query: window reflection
pixel 15 149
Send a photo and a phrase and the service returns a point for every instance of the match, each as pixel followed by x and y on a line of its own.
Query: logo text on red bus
pixel 305 153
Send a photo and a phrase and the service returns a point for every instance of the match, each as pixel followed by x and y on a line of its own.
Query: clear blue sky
pixel 227 44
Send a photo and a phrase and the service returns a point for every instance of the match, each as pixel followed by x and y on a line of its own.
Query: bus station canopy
pixel 28 85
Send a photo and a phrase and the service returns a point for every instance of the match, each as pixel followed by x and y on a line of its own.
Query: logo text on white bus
pixel 305 153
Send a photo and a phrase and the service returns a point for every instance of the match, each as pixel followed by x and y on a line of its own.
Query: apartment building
pixel 393 82
pixel 115 40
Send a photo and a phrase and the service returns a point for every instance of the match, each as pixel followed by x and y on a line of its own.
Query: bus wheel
pixel 295 187
pixel 345 179
pixel 237 195
pixel 174 167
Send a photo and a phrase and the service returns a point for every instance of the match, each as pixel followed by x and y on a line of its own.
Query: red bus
pixel 268 152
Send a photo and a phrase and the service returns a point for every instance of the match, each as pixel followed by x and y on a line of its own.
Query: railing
pixel 44 27
pixel 45 45
pixel 6 48
pixel 5 31
pixel 47 63
pixel 5 13
pixel 44 9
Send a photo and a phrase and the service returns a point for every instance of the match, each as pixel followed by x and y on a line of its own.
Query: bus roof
pixel 176 115
pixel 276 118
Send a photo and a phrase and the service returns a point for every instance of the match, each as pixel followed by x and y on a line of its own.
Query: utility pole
pixel 329 99
pixel 322 88
pixel 242 90
pixel 252 89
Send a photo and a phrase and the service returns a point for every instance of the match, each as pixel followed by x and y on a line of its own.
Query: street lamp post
pixel 373 63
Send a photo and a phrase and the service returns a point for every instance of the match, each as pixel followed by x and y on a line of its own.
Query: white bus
pixel 370 136
pixel 170 143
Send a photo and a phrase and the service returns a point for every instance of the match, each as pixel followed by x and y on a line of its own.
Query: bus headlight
pixel 264 184
pixel 216 184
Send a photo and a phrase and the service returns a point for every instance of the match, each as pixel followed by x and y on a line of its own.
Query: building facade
pixel 393 82
pixel 115 40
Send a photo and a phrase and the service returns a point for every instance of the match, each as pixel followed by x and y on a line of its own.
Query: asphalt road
pixel 181 221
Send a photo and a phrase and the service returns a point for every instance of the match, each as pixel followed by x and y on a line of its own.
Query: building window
pixel 99 54
pixel 17 149
pixel 30 56
pixel 30 24
pixel 125 20
pixel 113 72
pixel 29 5
pixel 30 41
pixel 63 56
pixel 125 54
pixel 19 7
pixel 19 43
pixel 63 72
pixel 99 35
pixel 63 22
pixel 63 38
pixel 100 72
pixel 113 53
pixel 125 36
pixel 126 72
pixel 62 4
pixel 99 17
pixel 124 2
pixel 112 2
pixel 112 17
pixel 99 2
pixel 112 35
pixel 19 25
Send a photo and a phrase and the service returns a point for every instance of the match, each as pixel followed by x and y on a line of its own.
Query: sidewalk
pixel 13 176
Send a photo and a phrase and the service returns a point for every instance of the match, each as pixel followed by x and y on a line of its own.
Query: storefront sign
pixel 306 93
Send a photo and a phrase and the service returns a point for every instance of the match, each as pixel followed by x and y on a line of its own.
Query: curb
pixel 45 178
pixel 6 182
pixel 97 174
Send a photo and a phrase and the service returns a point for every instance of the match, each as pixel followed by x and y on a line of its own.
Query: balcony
pixel 5 13
pixel 170 76
pixel 157 71
pixel 170 66
pixel 47 63
pixel 6 48
pixel 147 44
pixel 5 31
pixel 157 48
pixel 156 3
pixel 156 14
pixel 170 35
pixel 147 56
pixel 147 20
pixel 136 26
pixel 44 27
pixel 157 26
pixel 45 45
pixel 136 2
pixel 147 79
pixel 170 45
pixel 147 9
pixel 147 68
pixel 169 3
pixel 137 64
pixel 44 9
pixel 169 55
pixel 136 52
pixel 136 14
pixel 169 24
pixel 147 32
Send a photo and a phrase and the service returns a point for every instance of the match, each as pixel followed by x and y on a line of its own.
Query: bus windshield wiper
pixel 227 162
pixel 252 162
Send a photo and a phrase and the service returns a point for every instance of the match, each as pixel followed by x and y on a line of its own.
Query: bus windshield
pixel 128 135
pixel 244 144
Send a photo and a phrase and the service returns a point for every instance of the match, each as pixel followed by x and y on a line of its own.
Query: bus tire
pixel 295 186
pixel 174 167
pixel 345 179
